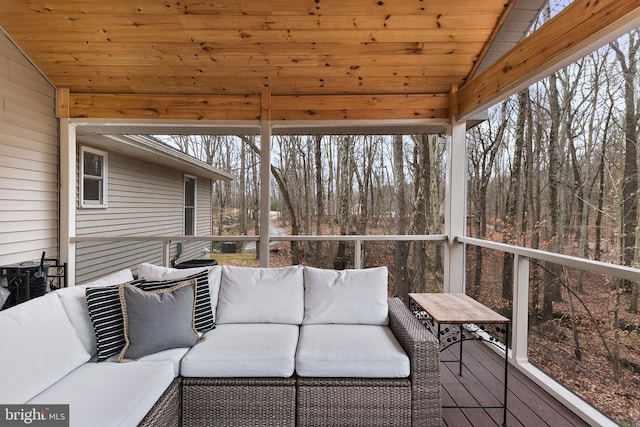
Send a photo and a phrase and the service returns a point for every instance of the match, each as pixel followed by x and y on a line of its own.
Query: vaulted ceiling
pixel 283 59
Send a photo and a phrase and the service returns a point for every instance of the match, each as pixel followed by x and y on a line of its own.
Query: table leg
pixel 460 359
pixel 506 372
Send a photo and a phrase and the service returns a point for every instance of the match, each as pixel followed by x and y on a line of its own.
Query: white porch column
pixel 455 208
pixel 520 317
pixel 265 190
pixel 68 197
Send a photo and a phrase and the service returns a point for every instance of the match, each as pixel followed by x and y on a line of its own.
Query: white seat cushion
pixel 74 301
pixel 346 296
pixel 261 295
pixel 244 350
pixel 109 394
pixel 39 346
pixel 173 355
pixel 352 351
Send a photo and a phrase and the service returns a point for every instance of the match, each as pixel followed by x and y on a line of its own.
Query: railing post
pixel 357 262
pixel 520 316
pixel 166 252
pixel 265 177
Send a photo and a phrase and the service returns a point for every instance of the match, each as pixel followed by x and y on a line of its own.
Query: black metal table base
pixel 457 333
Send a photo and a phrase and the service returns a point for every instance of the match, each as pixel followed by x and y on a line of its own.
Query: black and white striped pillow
pixel 105 311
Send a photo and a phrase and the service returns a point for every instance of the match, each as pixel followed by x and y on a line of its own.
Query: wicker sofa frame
pixel 297 401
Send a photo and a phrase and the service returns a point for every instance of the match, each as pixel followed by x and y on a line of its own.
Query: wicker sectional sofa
pixel 293 346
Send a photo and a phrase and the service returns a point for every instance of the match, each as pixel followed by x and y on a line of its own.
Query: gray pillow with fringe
pixel 157 320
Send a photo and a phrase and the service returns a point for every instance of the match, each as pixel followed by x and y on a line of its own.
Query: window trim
pixel 92 204
pixel 184 204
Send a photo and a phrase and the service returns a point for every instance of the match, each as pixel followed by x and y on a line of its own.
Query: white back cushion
pixel 346 296
pixel 39 347
pixel 153 272
pixel 116 278
pixel 261 295
pixel 74 302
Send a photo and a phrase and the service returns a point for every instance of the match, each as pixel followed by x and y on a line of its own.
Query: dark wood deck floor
pixel 528 405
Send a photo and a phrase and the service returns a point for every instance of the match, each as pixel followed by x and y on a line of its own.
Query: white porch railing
pixel 167 240
pixel 520 320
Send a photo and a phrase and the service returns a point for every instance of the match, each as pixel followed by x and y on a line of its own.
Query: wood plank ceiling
pixel 289 48
pixel 281 59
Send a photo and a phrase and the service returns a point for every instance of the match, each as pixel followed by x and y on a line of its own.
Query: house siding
pixel 143 199
pixel 29 150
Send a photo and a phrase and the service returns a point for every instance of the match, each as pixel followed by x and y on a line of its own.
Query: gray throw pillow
pixel 157 320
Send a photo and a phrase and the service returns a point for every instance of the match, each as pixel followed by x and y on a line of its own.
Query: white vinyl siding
pixel 144 200
pixel 28 160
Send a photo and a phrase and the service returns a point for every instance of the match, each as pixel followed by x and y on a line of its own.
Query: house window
pixel 93 178
pixel 189 206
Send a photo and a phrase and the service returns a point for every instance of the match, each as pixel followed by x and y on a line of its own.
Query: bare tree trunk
pixel 319 190
pixel 434 203
pixel 629 66
pixel 340 261
pixel 418 222
pixel 554 271
pixel 256 204
pixel 513 194
pixel 601 165
pixel 401 247
pixel 330 187
pixel 243 191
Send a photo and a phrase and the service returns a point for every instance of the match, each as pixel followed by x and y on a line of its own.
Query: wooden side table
pixel 455 318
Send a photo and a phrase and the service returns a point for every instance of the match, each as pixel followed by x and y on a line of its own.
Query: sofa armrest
pixel 423 350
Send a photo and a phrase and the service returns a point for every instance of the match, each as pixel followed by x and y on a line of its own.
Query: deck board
pixel 528 404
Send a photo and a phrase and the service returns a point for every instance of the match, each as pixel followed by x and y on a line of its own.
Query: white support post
pixel 357 262
pixel 68 161
pixel 166 253
pixel 455 208
pixel 520 316
pixel 265 191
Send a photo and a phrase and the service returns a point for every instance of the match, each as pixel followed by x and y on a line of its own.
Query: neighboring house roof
pixel 515 27
pixel 151 150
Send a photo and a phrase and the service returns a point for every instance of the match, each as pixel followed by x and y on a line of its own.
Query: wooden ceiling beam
pixel 580 28
pixel 242 37
pixel 352 107
pixel 167 107
pixel 254 107
pixel 43 23
pixel 72 50
pixel 204 85
pixel 265 7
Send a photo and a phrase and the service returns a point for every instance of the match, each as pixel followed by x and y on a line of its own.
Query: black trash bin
pixel 228 247
pixel 25 280
pixel 195 263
